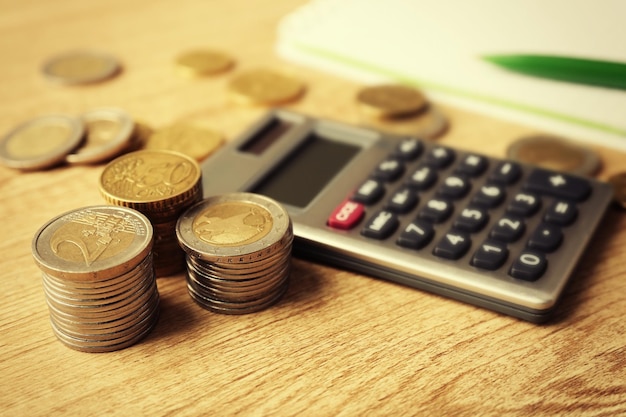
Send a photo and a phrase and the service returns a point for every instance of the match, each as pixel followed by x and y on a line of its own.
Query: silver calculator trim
pixel 230 170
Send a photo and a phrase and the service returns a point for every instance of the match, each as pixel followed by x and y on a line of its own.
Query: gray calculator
pixel 495 233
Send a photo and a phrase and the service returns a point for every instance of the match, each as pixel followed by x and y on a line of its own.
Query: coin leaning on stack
pixel 162 185
pixel 98 277
pixel 238 250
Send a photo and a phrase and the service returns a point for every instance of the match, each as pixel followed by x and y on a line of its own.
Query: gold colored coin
pixel 428 124
pixel 42 142
pixel 554 153
pixel 193 141
pixel 234 223
pixel 265 87
pixel 200 63
pixel 109 132
pixel 618 181
pixel 390 100
pixel 80 67
pixel 137 179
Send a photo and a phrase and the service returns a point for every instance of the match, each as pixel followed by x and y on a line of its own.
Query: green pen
pixel 570 69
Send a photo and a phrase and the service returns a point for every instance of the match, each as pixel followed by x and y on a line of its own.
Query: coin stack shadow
pixel 238 250
pixel 98 277
pixel 160 184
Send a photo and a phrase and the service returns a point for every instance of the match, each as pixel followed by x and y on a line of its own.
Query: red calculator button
pixel 347 215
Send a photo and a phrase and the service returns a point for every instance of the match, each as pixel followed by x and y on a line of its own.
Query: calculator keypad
pixel 443 198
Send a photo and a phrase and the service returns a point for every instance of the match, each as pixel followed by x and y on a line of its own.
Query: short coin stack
pixel 98 277
pixel 162 185
pixel 238 252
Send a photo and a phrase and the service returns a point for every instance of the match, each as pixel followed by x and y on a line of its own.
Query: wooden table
pixel 338 343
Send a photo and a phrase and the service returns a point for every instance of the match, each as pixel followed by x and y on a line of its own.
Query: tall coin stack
pixel 160 184
pixel 98 277
pixel 238 252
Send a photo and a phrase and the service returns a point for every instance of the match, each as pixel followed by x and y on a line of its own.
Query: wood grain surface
pixel 338 343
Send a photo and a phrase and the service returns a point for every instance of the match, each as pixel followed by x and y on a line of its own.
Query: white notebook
pixel 436 45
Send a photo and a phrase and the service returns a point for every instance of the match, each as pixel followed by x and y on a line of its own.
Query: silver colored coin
pixel 42 142
pixel 239 273
pixel 555 153
pixel 108 133
pixel 203 227
pixel 218 307
pixel 80 67
pixel 259 284
pixel 238 296
pixel 92 243
pixel 430 124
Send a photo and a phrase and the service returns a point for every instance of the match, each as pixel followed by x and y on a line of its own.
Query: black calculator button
pixel 369 192
pixel 436 210
pixel 453 245
pixel 381 225
pixel 471 219
pixel 506 172
pixel 529 266
pixel 490 255
pixel 524 204
pixel 409 149
pixel 403 200
pixel 489 195
pixel 454 186
pixel 546 238
pixel 508 229
pixel 440 157
pixel 422 178
pixel 558 185
pixel 562 213
pixel 389 170
pixel 472 165
pixel 416 235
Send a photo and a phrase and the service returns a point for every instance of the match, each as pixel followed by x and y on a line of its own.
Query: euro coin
pixel 431 124
pixel 98 277
pixel 238 252
pixel 161 184
pixel 108 133
pixel 555 153
pixel 390 101
pixel 42 142
pixel 203 62
pixel 265 87
pixel 618 181
pixel 80 67
pixel 190 140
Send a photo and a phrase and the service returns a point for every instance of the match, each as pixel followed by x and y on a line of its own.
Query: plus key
pixel 558 185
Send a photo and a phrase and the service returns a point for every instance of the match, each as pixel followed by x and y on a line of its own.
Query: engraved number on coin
pixel 92 234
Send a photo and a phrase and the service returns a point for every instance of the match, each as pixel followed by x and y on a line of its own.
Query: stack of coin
pixel 401 110
pixel 162 185
pixel 238 252
pixel 98 277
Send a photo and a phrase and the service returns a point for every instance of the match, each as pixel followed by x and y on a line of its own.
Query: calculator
pixel 495 233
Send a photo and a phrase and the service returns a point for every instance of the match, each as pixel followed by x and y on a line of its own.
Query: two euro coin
pixel 238 252
pixel 98 277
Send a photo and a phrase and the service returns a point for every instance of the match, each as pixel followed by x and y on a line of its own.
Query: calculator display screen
pixel 305 172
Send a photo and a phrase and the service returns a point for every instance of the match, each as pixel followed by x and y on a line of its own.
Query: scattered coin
pixel 193 141
pixel 555 153
pixel 160 184
pixel 109 132
pixel 431 123
pixel 238 250
pixel 618 181
pixel 199 63
pixel 265 87
pixel 98 278
pixel 42 142
pixel 81 67
pixel 390 101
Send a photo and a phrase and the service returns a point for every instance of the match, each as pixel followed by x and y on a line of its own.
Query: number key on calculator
pixel 495 233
